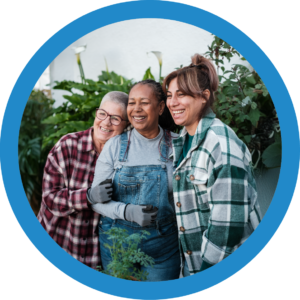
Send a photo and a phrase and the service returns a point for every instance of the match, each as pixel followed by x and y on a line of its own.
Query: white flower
pixel 79 49
pixel 158 55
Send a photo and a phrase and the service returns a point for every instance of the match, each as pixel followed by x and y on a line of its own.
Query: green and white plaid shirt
pixel 215 194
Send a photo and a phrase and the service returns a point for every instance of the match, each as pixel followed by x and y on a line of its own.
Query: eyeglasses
pixel 101 114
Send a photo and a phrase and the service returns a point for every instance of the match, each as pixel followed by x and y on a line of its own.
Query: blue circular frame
pixel 137 10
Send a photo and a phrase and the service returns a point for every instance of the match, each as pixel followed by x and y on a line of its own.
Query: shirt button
pixel 192 177
pixel 100 222
pixel 189 252
pixel 182 229
pixel 86 222
pixel 178 204
pixel 177 177
pixel 84 239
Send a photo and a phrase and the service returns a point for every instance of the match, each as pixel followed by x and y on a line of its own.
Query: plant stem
pixel 160 67
pixel 240 85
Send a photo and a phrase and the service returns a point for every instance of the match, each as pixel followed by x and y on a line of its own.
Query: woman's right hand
pixel 143 215
pixel 101 193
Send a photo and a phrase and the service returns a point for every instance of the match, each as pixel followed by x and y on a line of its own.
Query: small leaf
pixel 251 79
pixel 258 86
pixel 246 101
pixel 253 105
pixel 247 138
pixel 148 74
pixel 254 116
pixel 59 118
pixel 272 155
pixel 265 91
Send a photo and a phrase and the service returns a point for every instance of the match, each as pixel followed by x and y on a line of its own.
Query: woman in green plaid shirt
pixel 214 188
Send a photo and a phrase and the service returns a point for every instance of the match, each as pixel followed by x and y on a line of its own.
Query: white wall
pixel 44 80
pixel 125 46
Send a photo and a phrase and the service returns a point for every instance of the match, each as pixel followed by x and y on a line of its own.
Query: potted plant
pixel 125 254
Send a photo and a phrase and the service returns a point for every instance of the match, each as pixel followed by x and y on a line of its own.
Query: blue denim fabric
pixel 146 185
pixel 186 271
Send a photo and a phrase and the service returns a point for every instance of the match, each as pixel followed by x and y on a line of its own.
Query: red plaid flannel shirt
pixel 65 213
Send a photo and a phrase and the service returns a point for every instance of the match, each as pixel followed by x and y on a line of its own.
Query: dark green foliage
pixel 244 103
pixel 125 253
pixel 31 157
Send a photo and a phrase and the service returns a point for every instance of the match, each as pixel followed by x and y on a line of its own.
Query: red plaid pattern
pixel 65 213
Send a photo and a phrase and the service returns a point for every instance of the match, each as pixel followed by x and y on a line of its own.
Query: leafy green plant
pixel 148 74
pixel 244 103
pixel 31 157
pixel 125 254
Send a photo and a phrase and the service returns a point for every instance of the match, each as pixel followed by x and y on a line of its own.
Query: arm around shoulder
pixel 105 168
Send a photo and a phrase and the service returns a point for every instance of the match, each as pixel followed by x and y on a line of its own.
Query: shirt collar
pixel 199 135
pixel 202 128
pixel 87 140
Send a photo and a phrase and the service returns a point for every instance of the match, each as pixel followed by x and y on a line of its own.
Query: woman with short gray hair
pixel 65 211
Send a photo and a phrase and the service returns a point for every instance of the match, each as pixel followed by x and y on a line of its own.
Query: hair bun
pixel 201 61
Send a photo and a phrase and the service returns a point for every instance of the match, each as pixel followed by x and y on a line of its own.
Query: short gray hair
pixel 117 97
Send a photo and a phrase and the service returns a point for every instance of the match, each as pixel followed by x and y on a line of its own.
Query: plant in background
pixel 218 50
pixel 78 50
pixel 31 157
pixel 244 103
pixel 125 254
pixel 148 74
pixel 158 55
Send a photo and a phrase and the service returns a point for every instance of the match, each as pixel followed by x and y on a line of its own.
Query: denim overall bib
pixel 141 185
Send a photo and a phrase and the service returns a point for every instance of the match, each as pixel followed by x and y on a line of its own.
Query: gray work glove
pixel 144 215
pixel 100 193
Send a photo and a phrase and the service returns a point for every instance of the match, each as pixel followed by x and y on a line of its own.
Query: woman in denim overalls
pixel 138 183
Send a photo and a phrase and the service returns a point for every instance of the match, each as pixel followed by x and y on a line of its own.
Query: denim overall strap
pixel 164 147
pixel 123 147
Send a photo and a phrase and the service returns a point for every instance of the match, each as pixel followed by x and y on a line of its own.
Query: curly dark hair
pixel 165 120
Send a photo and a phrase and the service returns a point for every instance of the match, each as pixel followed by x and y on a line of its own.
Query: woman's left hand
pixel 101 193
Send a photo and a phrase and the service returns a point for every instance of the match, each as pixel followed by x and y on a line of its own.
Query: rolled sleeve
pixel 111 209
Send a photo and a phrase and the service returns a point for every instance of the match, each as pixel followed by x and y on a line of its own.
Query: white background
pixel 126 47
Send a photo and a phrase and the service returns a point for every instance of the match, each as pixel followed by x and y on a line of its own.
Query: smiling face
pixel 143 110
pixel 184 109
pixel 104 130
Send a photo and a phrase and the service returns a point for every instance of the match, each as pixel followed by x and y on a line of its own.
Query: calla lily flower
pixel 79 49
pixel 158 54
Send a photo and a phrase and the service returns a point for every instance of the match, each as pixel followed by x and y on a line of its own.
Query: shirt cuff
pixel 90 202
pixel 125 212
